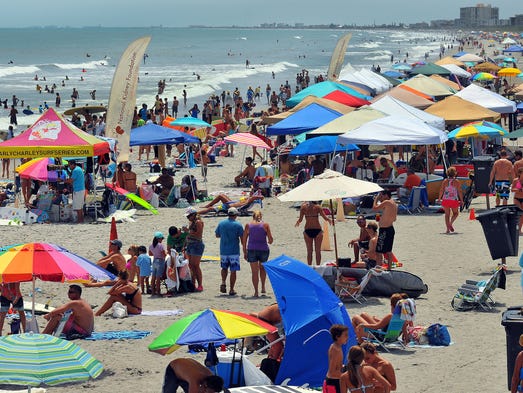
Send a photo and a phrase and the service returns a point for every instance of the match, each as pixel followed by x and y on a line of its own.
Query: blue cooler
pixel 231 372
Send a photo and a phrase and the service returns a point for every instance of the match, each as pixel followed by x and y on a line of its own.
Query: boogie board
pixel 28 112
pixel 40 308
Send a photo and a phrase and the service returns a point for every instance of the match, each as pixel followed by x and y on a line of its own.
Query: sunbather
pixel 124 292
pixel 362 378
pixel 383 366
pixel 227 202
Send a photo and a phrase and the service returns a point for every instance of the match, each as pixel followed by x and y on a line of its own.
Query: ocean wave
pixel 379 57
pixel 14 70
pixel 91 65
pixel 368 45
pixel 298 37
pixel 379 52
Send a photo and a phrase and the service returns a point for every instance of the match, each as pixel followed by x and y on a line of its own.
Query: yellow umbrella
pixel 509 72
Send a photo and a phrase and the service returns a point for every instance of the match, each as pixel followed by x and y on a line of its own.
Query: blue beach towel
pixel 119 335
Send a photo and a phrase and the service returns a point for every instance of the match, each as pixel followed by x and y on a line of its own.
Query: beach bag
pixel 438 335
pixel 119 310
pixel 417 334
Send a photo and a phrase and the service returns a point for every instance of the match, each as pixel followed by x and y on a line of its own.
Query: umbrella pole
pixel 334 231
pixel 34 294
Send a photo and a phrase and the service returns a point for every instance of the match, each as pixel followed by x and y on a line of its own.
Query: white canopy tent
pixel 457 70
pixel 391 106
pixel 488 99
pixel 366 77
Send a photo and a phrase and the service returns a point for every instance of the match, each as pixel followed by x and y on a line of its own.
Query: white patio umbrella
pixel 330 185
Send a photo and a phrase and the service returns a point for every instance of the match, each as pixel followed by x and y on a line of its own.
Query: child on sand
pixel 340 336
pixel 143 264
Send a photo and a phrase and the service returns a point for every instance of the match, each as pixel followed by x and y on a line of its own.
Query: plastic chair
pixel 389 336
pixel 344 290
pixel 414 203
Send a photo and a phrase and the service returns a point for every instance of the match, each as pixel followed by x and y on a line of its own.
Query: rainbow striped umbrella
pixel 35 359
pixel 483 76
pixel 209 326
pixel 477 129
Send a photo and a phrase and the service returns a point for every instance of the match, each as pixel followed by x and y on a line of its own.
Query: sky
pixel 180 13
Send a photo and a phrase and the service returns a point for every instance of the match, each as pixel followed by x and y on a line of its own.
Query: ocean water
pixel 178 54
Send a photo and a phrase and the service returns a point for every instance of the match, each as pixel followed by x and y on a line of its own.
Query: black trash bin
pixel 496 230
pixel 512 319
pixel 513 213
pixel 482 167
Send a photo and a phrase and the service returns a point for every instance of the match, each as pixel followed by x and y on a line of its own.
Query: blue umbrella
pixel 393 74
pixel 189 122
pixel 321 145
pixel 308 309
pixel 520 107
pixel 402 67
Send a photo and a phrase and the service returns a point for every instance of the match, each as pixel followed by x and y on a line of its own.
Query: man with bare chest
pixel 501 177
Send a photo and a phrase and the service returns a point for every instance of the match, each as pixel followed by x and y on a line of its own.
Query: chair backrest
pixel 364 282
pixel 364 174
pixel 492 284
pixel 415 197
pixel 395 325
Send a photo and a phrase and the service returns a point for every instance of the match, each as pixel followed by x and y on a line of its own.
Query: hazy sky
pixel 176 13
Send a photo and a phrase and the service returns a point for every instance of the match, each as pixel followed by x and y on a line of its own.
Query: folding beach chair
pixel 345 290
pixel 414 203
pixel 473 294
pixel 384 338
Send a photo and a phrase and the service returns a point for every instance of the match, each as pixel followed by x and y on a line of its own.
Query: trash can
pixel 512 319
pixel 513 213
pixel 482 167
pixel 497 234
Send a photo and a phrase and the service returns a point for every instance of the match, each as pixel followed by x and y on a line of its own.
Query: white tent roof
pixel 509 41
pixel 394 130
pixel 366 77
pixel 457 70
pixel 470 57
pixel 392 106
pixel 488 99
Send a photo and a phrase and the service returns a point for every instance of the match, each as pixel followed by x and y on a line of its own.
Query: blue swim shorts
pixel 231 262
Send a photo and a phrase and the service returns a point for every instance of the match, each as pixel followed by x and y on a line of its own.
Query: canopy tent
pixel 457 70
pixel 513 48
pixel 508 41
pixel 346 99
pixel 459 54
pixel 428 86
pixel 363 89
pixel 514 134
pixel 470 57
pixel 53 136
pixel 366 77
pixel 487 67
pixel 417 92
pixel 487 98
pixel 407 97
pixel 153 134
pixel 325 144
pixel 393 81
pixel 457 111
pixel 320 90
pixel 348 122
pixel 341 108
pixel 449 61
pixel 445 81
pixel 394 130
pixel 309 118
pixel 391 106
pixel 429 69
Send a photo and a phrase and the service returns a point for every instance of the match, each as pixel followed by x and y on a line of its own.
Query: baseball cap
pixel 158 235
pixel 117 243
pixel 232 211
pixel 189 211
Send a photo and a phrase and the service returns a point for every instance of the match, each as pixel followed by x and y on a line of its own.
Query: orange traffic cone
pixel 472 214
pixel 326 241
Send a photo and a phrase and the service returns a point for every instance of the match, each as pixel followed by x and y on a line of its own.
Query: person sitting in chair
pixel 129 179
pixel 188 188
pixel 227 202
pixel 411 181
pixel 362 241
pixel 247 175
pixel 166 183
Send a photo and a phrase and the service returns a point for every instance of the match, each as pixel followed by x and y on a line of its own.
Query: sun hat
pixel 190 210
pixel 158 235
pixel 232 211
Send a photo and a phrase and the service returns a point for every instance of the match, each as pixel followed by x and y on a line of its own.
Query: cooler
pixel 230 370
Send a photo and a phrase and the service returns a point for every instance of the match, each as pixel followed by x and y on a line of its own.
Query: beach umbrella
pixel 393 74
pixel 486 67
pixel 509 60
pixel 132 197
pixel 209 326
pixel 324 144
pixel 328 186
pixel 34 359
pixel 38 169
pixel 509 72
pixel 402 67
pixel 470 58
pixel 477 129
pixel 189 122
pixel 483 76
pixel 248 139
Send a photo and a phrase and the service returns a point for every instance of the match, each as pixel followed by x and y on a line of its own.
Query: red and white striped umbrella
pixel 246 138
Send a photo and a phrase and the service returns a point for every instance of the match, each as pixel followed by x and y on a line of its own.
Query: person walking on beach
pixel 157 251
pixel 10 295
pixel 313 233
pixel 57 100
pixel 184 94
pixel 191 376
pixel 230 233
pixel 501 177
pixel 340 336
pixel 76 178
pixel 451 198
pixel 384 203
pixel 194 246
pixel 256 239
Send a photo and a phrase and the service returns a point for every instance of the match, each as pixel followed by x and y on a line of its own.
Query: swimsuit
pixel 331 385
pixel 312 232
pixel 385 239
pixel 73 329
pixel 363 388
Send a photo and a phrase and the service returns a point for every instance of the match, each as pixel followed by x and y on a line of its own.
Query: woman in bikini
pixel 313 234
pixel 194 246
pixel 362 378
pixel 383 366
pixel 451 198
pixel 124 292
pixel 517 189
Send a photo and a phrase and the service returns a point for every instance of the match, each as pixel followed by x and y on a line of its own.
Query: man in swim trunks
pixel 247 174
pixel 501 176
pixel 384 203
pixel 191 376
pixel 81 320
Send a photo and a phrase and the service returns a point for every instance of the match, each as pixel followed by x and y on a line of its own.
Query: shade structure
pixel 508 41
pixel 394 130
pixel 346 99
pixel 320 90
pixel 479 129
pixel 248 139
pixel 336 106
pixel 325 144
pixel 83 110
pixel 470 58
pixel 392 106
pixel 483 76
pixel 366 77
pixel 457 111
pixel 429 69
pixel 406 96
pixel 48 262
pixel 457 70
pixel 416 92
pixel 308 309
pixel 35 359
pixel 209 326
pixel 329 185
pixel 358 86
pixel 132 197
pixel 441 79
pixel 487 98
pixel 348 122
pixel 189 122
pixel 394 74
pixel 459 54
pixel 309 118
pixel 428 86
pixel 449 61
pixel 37 169
pixel 402 67
pixel 153 134
pixel 53 136
pixel 509 72
pixel 513 49
pixel 514 134
pixel 487 67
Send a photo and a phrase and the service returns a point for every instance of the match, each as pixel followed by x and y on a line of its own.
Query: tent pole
pixel 334 231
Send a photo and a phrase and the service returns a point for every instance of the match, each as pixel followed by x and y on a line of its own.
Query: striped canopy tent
pixel 321 90
pixel 53 136
pixel 429 86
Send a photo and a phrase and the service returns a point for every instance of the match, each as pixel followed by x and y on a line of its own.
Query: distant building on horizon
pixel 478 16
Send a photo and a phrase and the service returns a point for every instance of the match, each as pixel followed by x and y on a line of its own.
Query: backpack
pixel 438 335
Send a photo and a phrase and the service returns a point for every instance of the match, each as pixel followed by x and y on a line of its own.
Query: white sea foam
pixel 378 57
pixel 14 70
pixel 88 66
pixel 298 37
pixel 369 45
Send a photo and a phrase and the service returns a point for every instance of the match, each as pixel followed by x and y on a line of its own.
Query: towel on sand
pixel 119 335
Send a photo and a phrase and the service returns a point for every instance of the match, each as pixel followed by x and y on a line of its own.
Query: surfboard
pixel 40 308
pixel 338 56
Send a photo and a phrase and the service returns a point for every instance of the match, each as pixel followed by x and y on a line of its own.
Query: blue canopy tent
pixel 322 89
pixel 324 144
pixel 308 309
pixel 513 48
pixel 306 119
pixel 153 134
pixel 459 54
